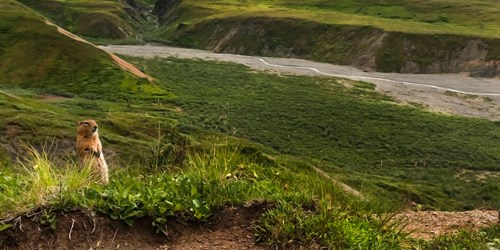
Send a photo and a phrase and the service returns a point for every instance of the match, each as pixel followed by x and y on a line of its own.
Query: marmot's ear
pixel 81 123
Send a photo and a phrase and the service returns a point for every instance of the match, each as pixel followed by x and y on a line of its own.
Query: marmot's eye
pixel 86 123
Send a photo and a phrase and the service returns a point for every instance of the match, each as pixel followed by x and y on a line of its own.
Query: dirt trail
pixel 119 61
pixel 346 188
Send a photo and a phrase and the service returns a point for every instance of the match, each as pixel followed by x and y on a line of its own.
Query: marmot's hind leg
pixel 103 167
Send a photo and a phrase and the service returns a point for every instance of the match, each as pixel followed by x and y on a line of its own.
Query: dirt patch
pixel 428 224
pixel 52 98
pixel 482 176
pixel 230 228
pixel 9 139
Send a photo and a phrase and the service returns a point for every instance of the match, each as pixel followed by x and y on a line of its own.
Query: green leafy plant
pixel 48 218
pixel 5 226
pixel 157 196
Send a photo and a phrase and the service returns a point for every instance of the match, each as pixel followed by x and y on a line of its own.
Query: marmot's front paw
pixel 94 153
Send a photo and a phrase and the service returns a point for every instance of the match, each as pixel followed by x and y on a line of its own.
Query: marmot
pixel 88 146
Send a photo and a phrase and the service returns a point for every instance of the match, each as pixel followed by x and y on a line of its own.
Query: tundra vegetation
pixel 205 135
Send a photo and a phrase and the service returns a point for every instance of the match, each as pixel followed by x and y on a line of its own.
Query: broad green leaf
pixel 5 226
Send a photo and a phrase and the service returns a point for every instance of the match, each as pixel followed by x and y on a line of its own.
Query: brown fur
pixel 88 146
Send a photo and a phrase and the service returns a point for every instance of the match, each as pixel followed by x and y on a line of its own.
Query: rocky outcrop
pixel 440 54
pixel 164 7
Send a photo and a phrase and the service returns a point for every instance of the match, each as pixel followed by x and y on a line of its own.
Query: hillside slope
pixel 34 54
pixel 40 66
pixel 374 43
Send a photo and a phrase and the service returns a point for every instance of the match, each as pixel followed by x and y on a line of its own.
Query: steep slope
pixel 35 54
pixel 323 33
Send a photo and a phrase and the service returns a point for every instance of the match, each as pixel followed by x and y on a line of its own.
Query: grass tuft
pixel 40 182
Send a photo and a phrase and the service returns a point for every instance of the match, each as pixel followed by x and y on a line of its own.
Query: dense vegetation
pixel 352 132
pixel 304 210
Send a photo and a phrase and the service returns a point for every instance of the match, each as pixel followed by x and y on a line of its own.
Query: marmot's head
pixel 87 128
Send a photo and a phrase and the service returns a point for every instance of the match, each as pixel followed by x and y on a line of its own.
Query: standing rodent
pixel 88 146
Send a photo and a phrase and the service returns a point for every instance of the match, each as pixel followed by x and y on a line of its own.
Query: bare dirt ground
pixel 428 224
pixel 52 98
pixel 453 94
pixel 231 228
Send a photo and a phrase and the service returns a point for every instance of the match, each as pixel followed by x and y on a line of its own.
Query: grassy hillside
pixel 37 62
pixel 34 54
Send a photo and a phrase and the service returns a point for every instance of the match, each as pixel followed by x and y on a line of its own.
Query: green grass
pixel 37 182
pixel 485 239
pixel 221 176
pixel 355 134
pixel 365 138
pixel 304 210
